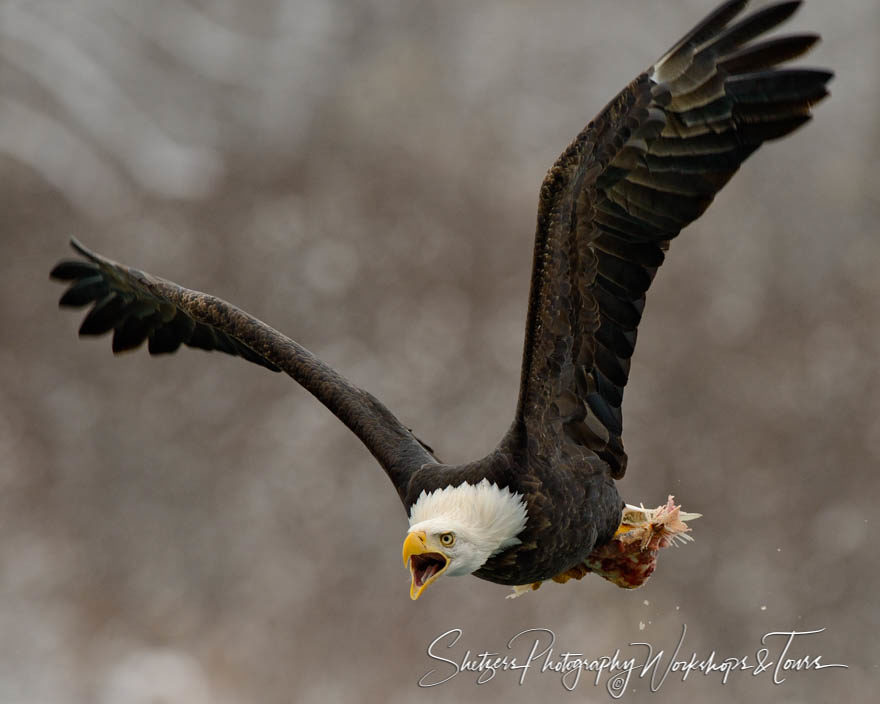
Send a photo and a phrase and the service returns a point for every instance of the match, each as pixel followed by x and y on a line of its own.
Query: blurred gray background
pixel 363 176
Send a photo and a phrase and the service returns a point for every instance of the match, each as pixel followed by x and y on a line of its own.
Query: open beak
pixel 425 564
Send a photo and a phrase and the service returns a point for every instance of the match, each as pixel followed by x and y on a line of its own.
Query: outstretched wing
pixel 648 165
pixel 139 307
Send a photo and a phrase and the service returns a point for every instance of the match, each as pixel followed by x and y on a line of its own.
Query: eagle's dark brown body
pixel 646 166
pixel 569 512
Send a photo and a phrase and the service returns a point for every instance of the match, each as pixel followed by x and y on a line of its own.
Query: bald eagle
pixel 542 505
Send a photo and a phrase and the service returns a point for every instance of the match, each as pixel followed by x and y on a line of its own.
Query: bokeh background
pixel 363 176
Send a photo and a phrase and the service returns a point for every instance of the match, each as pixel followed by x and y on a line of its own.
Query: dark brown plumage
pixel 646 166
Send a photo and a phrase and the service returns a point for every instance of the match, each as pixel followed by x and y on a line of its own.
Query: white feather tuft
pixel 488 517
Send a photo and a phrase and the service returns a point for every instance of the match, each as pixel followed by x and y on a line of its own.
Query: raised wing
pixel 139 307
pixel 648 165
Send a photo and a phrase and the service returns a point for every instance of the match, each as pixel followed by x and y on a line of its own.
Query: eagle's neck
pixel 490 516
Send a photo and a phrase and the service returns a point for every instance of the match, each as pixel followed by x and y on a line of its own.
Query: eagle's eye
pixel 447 539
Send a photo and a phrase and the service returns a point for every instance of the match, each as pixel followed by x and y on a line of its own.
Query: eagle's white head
pixel 454 530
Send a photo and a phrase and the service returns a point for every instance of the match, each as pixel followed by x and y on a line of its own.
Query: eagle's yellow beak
pixel 425 562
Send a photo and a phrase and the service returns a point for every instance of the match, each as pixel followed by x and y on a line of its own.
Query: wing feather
pixel 138 307
pixel 649 164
